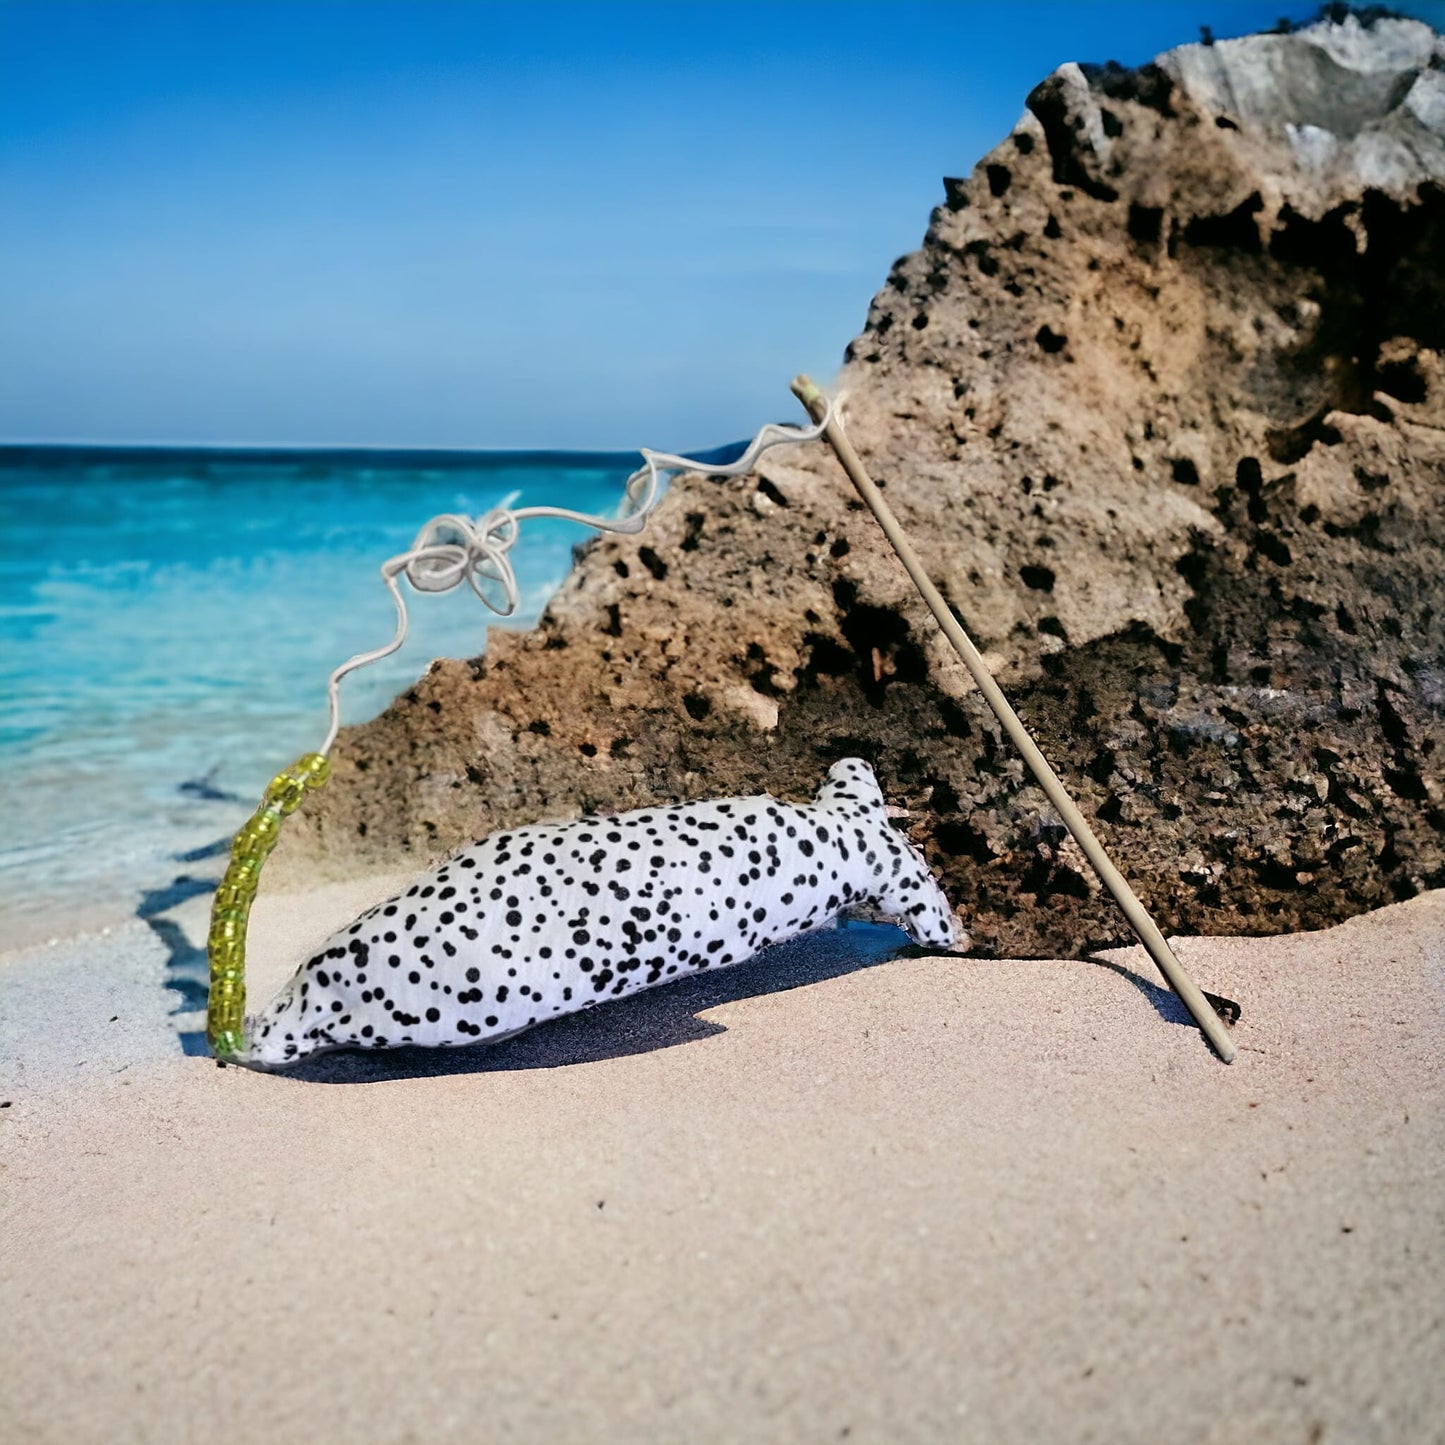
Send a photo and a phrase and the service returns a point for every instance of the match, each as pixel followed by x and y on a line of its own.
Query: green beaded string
pixel 226 942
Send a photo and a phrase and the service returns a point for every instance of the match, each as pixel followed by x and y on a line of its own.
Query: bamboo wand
pixel 1174 972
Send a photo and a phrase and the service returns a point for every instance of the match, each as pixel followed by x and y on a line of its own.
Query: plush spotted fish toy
pixel 549 919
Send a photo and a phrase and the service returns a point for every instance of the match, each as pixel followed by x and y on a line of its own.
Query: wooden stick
pixel 1174 972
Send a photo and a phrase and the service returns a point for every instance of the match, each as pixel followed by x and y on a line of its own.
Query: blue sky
pixel 452 224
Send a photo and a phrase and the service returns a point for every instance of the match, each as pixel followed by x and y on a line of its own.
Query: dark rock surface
pixel 1162 399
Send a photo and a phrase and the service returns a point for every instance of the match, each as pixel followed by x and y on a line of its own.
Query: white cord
pixel 452 549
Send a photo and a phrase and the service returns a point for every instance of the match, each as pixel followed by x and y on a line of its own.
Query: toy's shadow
pixel 660 1018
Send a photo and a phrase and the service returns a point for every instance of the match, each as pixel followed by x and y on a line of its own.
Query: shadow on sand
pixel 1167 1004
pixel 660 1018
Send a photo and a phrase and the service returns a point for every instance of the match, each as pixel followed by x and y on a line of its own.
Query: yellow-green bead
pixel 228 986
pixel 227 960
pixel 227 926
pixel 285 792
pixel 226 1043
pixel 260 834
pixel 244 870
pixel 234 896
pixel 226 957
pixel 243 880
pixel 314 769
pixel 228 932
pixel 227 1002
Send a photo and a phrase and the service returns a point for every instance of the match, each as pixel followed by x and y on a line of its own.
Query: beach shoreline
pixel 807 1198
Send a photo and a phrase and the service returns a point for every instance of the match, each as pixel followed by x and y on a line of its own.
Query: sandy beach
pixel 1156 390
pixel 820 1197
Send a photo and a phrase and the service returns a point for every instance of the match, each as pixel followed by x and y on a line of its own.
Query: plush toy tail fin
pixel 850 789
pixel 904 889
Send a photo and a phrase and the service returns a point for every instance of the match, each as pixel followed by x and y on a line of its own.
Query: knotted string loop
pixel 448 551
pixel 452 549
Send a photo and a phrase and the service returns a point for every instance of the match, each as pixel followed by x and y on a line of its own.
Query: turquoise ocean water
pixel 168 619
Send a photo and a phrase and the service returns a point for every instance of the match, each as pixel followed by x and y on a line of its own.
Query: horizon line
pixel 718 451
pixel 321 447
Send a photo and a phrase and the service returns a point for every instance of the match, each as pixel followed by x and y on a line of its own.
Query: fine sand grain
pixel 808 1200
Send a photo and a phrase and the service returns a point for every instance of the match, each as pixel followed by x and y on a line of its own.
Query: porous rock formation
pixel 1161 398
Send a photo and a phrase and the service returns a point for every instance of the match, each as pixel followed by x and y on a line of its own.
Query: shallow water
pixel 168 620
